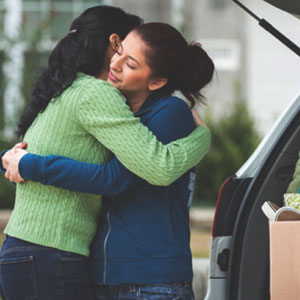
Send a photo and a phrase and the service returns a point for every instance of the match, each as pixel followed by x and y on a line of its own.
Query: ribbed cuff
pixel 29 167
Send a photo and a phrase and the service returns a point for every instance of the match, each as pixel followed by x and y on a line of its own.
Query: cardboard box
pixel 285 260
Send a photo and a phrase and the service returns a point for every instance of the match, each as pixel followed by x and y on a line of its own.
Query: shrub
pixel 234 138
pixel 7 189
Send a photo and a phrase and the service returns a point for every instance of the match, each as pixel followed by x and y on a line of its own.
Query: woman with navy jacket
pixel 141 250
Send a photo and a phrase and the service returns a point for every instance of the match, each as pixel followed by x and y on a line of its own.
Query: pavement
pixel 202 213
pixel 4 216
pixel 200 280
pixel 202 218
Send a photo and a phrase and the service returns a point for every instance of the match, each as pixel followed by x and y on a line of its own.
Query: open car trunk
pixel 239 256
pixel 291 6
pixel 248 273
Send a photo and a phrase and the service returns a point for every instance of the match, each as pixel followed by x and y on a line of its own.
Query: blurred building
pixel 29 29
pixel 251 65
pixel 272 70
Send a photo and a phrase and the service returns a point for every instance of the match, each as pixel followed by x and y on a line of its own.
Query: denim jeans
pixel 169 291
pixel 29 272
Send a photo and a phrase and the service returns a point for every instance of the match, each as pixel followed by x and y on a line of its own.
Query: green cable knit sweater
pixel 88 122
pixel 294 186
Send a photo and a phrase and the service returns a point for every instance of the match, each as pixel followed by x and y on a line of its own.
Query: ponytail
pixel 199 72
pixel 83 49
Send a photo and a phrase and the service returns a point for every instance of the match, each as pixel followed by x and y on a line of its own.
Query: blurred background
pixel 256 77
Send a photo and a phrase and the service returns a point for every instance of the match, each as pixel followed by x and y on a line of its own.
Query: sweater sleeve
pixel 105 115
pixel 112 178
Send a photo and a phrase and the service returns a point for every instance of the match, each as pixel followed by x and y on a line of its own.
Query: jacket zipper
pixel 105 243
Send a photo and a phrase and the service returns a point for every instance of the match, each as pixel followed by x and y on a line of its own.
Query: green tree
pixel 7 189
pixel 234 138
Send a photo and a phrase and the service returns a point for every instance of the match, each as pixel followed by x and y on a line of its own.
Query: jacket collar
pixel 151 102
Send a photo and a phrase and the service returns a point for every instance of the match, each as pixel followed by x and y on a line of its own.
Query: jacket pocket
pixel 154 227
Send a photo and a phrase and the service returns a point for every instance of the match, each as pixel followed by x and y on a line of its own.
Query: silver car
pixel 239 257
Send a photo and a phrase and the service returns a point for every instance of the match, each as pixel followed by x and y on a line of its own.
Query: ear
pixel 157 83
pixel 115 41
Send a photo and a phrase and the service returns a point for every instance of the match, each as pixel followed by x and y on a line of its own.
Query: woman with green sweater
pixel 74 113
pixel 141 250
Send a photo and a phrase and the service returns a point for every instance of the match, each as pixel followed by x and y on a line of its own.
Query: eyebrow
pixel 132 58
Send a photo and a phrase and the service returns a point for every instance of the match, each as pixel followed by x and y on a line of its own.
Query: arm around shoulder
pixel 104 114
pixel 164 124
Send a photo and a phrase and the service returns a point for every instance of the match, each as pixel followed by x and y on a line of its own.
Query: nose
pixel 116 63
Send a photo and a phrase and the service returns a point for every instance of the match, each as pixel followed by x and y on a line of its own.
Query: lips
pixel 112 77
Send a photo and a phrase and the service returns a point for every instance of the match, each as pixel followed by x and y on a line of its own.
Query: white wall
pixel 273 71
pixel 268 73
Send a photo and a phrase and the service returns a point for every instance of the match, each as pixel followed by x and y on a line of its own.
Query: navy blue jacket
pixel 144 230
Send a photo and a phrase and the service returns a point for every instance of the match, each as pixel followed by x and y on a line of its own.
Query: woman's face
pixel 128 69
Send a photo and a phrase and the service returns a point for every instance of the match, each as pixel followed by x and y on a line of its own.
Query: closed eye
pixel 131 67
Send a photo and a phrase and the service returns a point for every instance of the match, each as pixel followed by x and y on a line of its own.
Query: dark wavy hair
pixel 81 50
pixel 187 66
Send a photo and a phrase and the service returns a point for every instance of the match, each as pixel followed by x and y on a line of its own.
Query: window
pixel 226 53
pixel 60 24
pixel 219 4
pixel 43 23
pixel 1 24
pixel 31 25
pixel 48 19
pixel 1 91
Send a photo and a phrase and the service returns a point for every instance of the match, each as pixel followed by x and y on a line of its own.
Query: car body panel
pixel 291 6
pixel 264 177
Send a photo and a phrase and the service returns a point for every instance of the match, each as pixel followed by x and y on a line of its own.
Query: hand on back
pixel 10 162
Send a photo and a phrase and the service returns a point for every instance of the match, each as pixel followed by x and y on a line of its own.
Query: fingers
pixel 16 178
pixel 6 157
pixel 10 163
pixel 19 152
pixel 197 118
pixel 6 175
pixel 9 176
pixel 17 145
pixel 4 164
pixel 21 145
